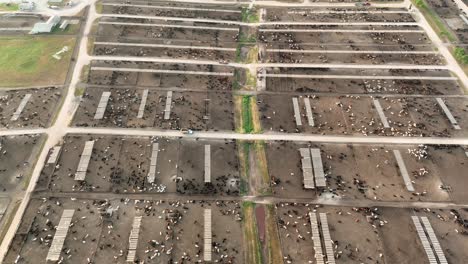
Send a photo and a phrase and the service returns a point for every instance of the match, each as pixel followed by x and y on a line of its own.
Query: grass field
pixel 251 241
pixel 247 123
pixel 9 7
pixel 434 20
pixel 28 61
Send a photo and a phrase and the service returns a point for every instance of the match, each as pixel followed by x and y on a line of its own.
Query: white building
pixel 45 27
pixel 27 6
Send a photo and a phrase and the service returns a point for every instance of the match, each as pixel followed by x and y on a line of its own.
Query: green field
pixel 28 61
pixel 434 20
pixel 9 7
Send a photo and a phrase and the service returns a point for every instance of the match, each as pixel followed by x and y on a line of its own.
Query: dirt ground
pixel 231 14
pixel 152 30
pixel 9 22
pixel 304 57
pixel 353 115
pixel 361 86
pixel 450 14
pixel 121 164
pixel 294 40
pixel 170 231
pixel 17 156
pixel 371 171
pixel 359 235
pixel 175 53
pixel 336 15
pixel 189 110
pixel 37 112
pixel 203 77
pixel 370 235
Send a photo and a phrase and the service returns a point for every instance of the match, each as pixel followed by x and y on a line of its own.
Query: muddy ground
pixel 353 115
pixel 450 14
pixel 19 21
pixel 17 156
pixel 170 231
pixel 166 52
pixel 189 110
pixel 337 15
pixel 160 80
pixel 100 230
pixel 38 112
pixel 371 172
pixel 157 29
pixel 193 77
pixel 293 40
pixel 370 235
pixel 362 86
pixel 121 164
pixel 220 12
pixel 368 58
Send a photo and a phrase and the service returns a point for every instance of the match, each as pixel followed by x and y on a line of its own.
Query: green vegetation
pixel 274 246
pixel 98 6
pixel 59 4
pixel 239 53
pixel 251 240
pixel 243 187
pixel 84 74
pixel 27 61
pixel 247 204
pixel 244 152
pixel 252 55
pixel 71 29
pixel 434 20
pixel 251 80
pixel 461 55
pixel 261 159
pixel 9 7
pixel 79 91
pixel 235 82
pixel 243 38
pixel 249 15
pixel 247 124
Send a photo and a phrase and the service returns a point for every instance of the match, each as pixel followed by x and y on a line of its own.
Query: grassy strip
pixel 255 115
pixel 260 157
pixel 71 29
pixel 98 6
pixel 250 80
pixel 434 20
pixel 252 55
pixel 238 113
pixel 9 7
pixel 247 124
pixel 461 56
pixel 243 149
pixel 243 38
pixel 84 75
pixel 249 15
pixel 93 31
pixel 251 241
pixel 274 246
pixel 7 223
pixel 236 80
pixel 239 53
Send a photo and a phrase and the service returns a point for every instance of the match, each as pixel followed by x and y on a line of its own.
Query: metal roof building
pixel 45 27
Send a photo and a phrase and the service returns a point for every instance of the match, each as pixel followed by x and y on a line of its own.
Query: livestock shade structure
pixel 60 235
